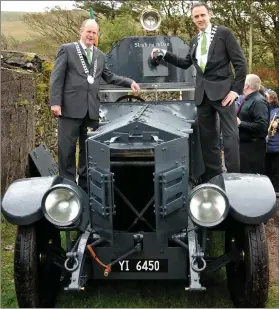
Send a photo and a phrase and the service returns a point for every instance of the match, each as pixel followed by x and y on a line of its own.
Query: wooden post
pixel 251 40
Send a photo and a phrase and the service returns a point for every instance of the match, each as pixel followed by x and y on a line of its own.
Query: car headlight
pixel 61 205
pixel 208 205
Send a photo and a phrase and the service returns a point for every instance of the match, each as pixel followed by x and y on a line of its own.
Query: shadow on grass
pixel 143 294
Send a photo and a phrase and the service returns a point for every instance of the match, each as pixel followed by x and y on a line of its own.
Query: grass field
pixel 17 29
pixel 126 294
pixel 7 16
pixel 13 26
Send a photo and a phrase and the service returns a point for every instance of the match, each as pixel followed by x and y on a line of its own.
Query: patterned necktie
pixel 203 50
pixel 88 52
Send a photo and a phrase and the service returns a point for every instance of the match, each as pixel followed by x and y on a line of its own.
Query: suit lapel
pixel 193 53
pixel 84 55
pixel 194 48
pixel 95 56
pixel 82 51
pixel 213 38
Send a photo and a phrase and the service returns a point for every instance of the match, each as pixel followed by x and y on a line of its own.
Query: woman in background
pixel 272 149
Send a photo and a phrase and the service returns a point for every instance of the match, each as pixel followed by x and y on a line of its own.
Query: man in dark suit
pixel 74 85
pixel 212 51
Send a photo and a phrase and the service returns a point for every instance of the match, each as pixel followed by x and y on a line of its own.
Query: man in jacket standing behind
pixel 252 119
pixel 212 51
pixel 74 86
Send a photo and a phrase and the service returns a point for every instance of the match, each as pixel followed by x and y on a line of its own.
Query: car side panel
pixel 252 197
pixel 21 203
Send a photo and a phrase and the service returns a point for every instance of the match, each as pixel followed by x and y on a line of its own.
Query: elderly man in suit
pixel 74 85
pixel 212 51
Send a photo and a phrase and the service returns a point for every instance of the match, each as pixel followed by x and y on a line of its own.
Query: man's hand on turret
pixel 135 87
pixel 158 50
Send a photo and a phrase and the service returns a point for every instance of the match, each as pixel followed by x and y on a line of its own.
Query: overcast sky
pixel 34 6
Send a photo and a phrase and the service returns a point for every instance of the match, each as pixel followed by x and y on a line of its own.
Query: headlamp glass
pixel 62 205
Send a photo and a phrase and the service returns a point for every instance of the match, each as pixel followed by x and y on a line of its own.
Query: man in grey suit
pixel 212 51
pixel 74 86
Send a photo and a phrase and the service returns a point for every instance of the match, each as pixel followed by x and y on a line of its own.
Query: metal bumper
pixel 174 259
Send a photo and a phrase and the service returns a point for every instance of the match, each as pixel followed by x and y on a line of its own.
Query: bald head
pixel 89 32
pixel 89 22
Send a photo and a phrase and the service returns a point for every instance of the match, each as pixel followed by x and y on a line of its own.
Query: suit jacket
pixel 69 86
pixel 217 80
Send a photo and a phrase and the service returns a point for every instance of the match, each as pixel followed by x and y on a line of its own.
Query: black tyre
pixel 37 279
pixel 248 279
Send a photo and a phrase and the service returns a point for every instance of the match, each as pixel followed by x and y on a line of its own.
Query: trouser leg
pixel 68 132
pixel 275 178
pixel 230 136
pixel 210 139
pixel 252 157
pixel 82 166
pixel 272 168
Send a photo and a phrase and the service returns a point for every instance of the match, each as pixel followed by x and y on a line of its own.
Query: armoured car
pixel 146 214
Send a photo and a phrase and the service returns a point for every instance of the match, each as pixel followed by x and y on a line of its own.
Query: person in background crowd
pixel 238 101
pixel 252 119
pixel 262 91
pixel 266 91
pixel 272 149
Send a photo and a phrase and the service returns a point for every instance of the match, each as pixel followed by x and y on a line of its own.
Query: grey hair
pixel 253 82
pixel 86 21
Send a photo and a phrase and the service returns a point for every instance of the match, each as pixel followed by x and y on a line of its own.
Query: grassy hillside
pixel 11 16
pixel 13 26
pixel 17 29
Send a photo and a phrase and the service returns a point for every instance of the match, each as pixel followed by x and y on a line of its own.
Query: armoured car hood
pixel 174 119
pixel 138 128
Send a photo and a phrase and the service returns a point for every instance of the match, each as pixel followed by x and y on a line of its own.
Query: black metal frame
pixel 194 269
pixel 138 214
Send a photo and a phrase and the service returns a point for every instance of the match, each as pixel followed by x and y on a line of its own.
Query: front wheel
pixel 248 278
pixel 37 279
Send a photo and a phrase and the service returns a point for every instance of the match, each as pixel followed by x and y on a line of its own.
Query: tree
pixel 107 8
pixel 55 27
pixel 112 31
pixel 8 42
pixel 119 19
pixel 238 15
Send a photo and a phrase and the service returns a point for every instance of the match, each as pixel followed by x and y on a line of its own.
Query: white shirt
pixel 198 50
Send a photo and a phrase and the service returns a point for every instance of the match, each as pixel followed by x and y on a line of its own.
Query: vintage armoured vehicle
pixel 146 214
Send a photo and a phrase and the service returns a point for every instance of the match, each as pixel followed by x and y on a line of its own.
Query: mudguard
pixel 252 197
pixel 21 203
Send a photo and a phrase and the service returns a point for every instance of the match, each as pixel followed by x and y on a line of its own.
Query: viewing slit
pixel 134 198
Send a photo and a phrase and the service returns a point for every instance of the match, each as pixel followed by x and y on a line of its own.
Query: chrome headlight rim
pixel 219 190
pixel 152 13
pixel 55 222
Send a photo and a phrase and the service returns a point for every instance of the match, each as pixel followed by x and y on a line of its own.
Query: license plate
pixel 160 265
